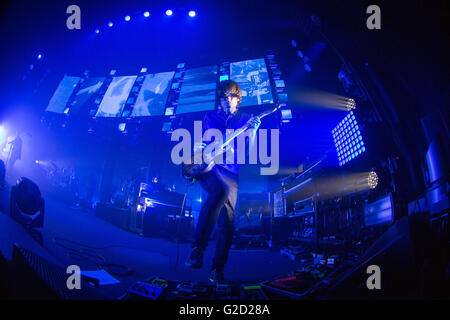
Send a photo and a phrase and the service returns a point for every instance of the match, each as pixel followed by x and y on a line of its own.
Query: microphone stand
pixel 179 219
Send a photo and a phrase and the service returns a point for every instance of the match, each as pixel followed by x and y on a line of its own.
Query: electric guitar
pixel 201 163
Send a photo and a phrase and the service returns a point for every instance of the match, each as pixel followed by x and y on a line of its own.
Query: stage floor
pixel 68 231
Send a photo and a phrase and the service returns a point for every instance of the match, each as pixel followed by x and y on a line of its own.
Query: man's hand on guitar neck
pixel 254 122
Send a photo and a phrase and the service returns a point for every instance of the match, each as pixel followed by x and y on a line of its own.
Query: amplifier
pixel 119 217
pixel 303 207
pixel 155 221
pixel 159 220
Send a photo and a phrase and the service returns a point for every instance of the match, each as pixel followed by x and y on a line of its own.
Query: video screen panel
pixel 253 78
pixel 198 91
pixel 151 100
pixel 115 97
pixel 90 88
pixel 58 102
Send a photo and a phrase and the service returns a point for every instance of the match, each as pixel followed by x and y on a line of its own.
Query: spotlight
pixel 110 24
pixel 192 13
pixel 2 133
pixel 27 205
pixel 127 18
pixel 39 56
pixel 37 161
pixel 97 31
pixel 169 12
pixel 372 179
pixel 146 14
pixel 351 104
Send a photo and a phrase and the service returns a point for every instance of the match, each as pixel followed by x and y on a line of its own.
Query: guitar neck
pixel 246 126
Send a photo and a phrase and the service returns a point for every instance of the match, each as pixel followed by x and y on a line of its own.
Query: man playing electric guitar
pixel 221 184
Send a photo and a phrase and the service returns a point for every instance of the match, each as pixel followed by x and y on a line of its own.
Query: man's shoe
pixel 195 260
pixel 217 277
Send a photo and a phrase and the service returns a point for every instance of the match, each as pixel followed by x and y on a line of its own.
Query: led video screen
pixel 58 102
pixel 89 89
pixel 115 97
pixel 198 91
pixel 253 78
pixel 151 100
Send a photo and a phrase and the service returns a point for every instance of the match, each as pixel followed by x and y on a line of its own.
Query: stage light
pixel 169 12
pixel 39 56
pixel 372 179
pixel 127 18
pixel 351 104
pixel 307 67
pixel 347 139
pixel 27 205
pixel 192 13
pixel 146 14
pixel 97 31
pixel 37 161
pixel 2 134
pixel 110 24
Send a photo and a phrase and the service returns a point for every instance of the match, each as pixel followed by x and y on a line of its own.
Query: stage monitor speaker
pixel 393 253
pixel 35 278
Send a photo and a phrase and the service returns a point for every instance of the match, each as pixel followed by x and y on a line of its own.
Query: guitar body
pixel 201 163
pixel 195 170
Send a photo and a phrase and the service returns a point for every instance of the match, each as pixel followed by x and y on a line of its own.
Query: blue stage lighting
pixel 347 139
pixel 2 134
pixel 169 12
pixel 110 24
pixel 192 13
pixel 97 31
pixel 39 56
pixel 146 14
pixel 122 127
pixel 307 67
pixel 127 18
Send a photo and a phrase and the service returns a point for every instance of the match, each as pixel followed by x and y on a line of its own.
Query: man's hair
pixel 229 87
